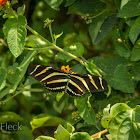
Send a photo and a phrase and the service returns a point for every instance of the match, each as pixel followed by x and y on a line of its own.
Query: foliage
pixel 97 37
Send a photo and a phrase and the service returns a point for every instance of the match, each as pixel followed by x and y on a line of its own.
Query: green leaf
pixel 11 72
pixel 61 133
pixel 106 117
pixel 3 75
pixel 85 109
pixel 8 116
pixel 69 2
pixel 24 134
pixel 108 64
pixel 135 55
pixel 136 71
pixel 21 10
pixel 44 138
pixel 124 123
pixel 58 35
pixel 114 99
pixel 79 68
pixel 80 136
pixel 71 120
pixel 109 136
pixel 59 96
pixel 130 21
pixel 76 49
pixel 117 108
pixel 54 4
pixel 70 128
pixel 9 14
pixel 4 137
pixel 135 30
pixel 120 46
pixel 19 71
pixel 106 27
pixel 130 9
pixel 137 43
pixel 134 102
pixel 121 80
pixel 117 3
pixel 14 2
pixel 45 120
pixel 91 67
pixel 33 40
pixel 59 106
pixel 4 92
pixel 81 7
pixel 95 27
pixel 123 2
pixel 15 31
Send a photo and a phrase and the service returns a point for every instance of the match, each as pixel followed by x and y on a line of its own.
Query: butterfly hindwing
pixel 91 83
pixel 80 84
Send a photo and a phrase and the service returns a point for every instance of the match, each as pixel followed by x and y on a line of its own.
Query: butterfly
pixel 76 85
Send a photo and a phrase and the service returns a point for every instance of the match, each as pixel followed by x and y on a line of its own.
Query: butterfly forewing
pixel 54 80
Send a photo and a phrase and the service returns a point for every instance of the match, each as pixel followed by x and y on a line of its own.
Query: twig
pixel 98 135
pixel 2 41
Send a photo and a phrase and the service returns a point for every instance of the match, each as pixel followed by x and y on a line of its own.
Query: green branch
pixel 54 46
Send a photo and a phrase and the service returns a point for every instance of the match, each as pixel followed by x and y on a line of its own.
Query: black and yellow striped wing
pixel 75 85
pixel 79 84
pixel 53 79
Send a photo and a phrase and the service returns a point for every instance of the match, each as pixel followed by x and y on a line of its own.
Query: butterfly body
pixel 76 85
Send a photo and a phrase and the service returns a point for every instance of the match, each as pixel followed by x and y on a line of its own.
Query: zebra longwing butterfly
pixel 75 85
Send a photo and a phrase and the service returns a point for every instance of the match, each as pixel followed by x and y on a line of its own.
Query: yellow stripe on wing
pixel 43 71
pixel 101 82
pixel 82 80
pixel 52 74
pixel 34 69
pixel 92 81
pixel 58 81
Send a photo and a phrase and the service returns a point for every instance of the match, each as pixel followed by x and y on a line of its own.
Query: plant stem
pixel 3 42
pixel 98 127
pixel 68 54
pixel 126 47
pixel 18 92
pixel 98 14
pixel 37 34
pixel 50 28
pixel 98 135
pixel 38 48
pixel 54 46
pixel 48 42
pixel 35 90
